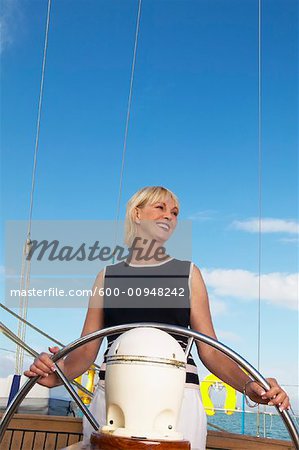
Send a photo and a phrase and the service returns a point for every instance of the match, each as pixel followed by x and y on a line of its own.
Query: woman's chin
pixel 161 237
pixel 156 237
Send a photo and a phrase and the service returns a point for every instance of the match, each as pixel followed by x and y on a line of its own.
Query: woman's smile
pixel 163 225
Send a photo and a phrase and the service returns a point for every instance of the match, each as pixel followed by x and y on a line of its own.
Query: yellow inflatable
pixel 230 400
pixel 89 385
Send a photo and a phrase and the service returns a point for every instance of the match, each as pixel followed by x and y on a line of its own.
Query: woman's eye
pixel 159 206
pixel 175 213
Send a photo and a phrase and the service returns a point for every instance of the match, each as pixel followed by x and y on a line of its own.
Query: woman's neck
pixel 146 252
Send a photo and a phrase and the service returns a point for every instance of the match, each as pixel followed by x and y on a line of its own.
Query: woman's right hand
pixel 44 367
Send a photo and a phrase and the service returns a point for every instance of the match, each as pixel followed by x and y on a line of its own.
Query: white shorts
pixel 192 420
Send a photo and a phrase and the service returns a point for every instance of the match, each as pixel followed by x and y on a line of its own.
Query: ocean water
pixel 271 426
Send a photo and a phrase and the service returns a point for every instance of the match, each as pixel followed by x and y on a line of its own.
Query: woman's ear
pixel 136 215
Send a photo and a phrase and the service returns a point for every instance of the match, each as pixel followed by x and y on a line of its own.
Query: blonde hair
pixel 146 195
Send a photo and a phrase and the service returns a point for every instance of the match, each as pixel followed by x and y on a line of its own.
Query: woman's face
pixel 158 220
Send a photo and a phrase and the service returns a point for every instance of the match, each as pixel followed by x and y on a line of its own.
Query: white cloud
pixel 218 307
pixel 8 362
pixel 268 225
pixel 286 375
pixel 228 336
pixel 294 240
pixel 201 216
pixel 9 23
pixel 277 288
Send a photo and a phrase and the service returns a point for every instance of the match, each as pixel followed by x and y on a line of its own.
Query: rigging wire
pixel 38 330
pixel 19 350
pixel 26 265
pixel 41 92
pixel 259 190
pixel 259 195
pixel 12 351
pixel 127 119
pixel 30 352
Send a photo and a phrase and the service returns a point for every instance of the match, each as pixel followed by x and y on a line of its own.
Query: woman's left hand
pixel 276 396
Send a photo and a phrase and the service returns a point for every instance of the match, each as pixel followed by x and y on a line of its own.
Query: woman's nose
pixel 167 215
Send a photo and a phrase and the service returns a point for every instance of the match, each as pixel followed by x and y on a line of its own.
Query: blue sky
pixel 193 128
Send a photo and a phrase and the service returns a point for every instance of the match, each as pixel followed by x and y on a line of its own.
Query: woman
pixel 151 218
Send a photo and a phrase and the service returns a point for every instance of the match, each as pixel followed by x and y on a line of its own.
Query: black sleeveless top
pixel 149 293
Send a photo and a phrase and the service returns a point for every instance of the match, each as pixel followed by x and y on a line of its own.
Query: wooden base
pixel 104 441
pixel 37 432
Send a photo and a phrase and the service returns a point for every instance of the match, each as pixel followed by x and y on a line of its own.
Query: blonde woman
pixel 151 218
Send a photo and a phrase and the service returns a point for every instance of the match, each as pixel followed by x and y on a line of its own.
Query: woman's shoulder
pixel 185 262
pixel 114 267
pixel 180 266
pixel 107 267
pixel 191 266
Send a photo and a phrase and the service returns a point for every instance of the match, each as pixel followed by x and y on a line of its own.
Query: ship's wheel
pixel 190 334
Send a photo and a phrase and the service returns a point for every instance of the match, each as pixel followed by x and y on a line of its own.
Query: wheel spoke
pixel 189 346
pixel 77 398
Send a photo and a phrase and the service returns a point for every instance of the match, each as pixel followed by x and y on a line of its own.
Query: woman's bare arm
pixel 218 363
pixel 78 361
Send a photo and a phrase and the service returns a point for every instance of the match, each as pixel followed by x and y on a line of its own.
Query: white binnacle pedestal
pixel 144 384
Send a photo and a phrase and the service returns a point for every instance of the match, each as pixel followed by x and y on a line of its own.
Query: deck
pixel 36 432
